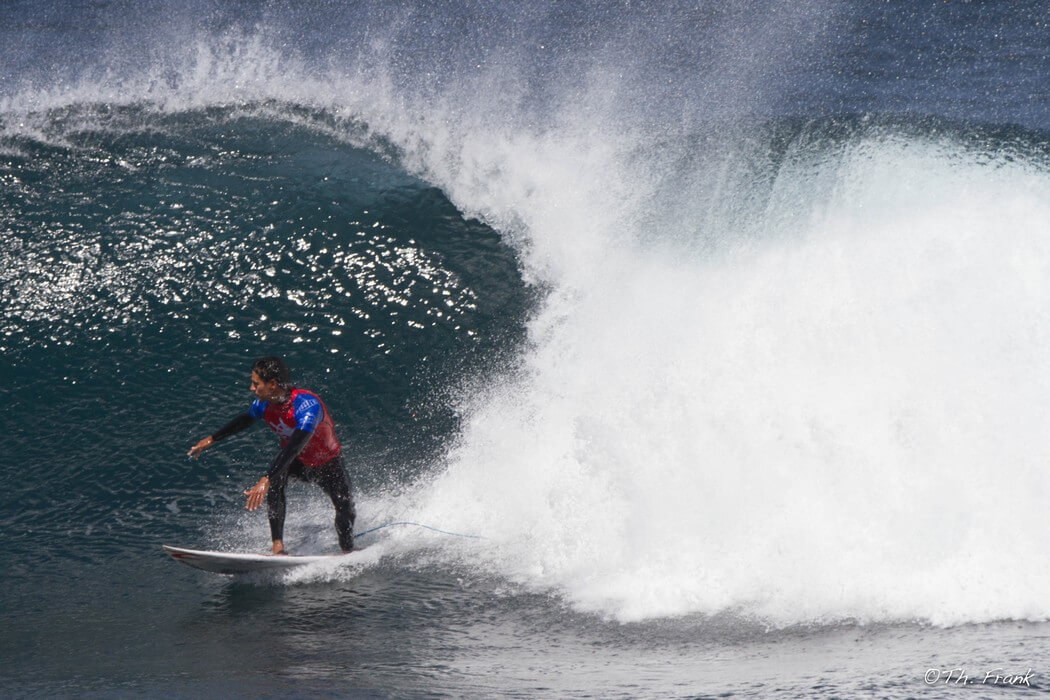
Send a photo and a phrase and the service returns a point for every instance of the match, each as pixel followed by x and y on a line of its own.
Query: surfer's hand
pixel 204 444
pixel 257 493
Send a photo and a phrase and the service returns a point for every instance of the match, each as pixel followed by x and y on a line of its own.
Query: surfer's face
pixel 266 391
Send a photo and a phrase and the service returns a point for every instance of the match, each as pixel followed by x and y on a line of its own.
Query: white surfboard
pixel 241 562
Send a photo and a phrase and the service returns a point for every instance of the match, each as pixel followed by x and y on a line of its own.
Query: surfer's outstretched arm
pixel 241 422
pixel 296 443
pixel 277 475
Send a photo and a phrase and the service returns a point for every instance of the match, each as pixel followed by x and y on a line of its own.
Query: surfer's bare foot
pixel 278 547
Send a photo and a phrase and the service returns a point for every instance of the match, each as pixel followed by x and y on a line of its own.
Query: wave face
pixel 763 332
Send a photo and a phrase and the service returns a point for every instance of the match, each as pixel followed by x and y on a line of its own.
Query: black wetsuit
pixel 330 476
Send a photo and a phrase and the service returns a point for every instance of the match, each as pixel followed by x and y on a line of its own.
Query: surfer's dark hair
pixel 272 367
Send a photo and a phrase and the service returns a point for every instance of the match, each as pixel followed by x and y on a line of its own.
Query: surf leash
pixel 428 527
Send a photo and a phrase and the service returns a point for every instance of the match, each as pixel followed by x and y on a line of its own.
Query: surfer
pixel 309 450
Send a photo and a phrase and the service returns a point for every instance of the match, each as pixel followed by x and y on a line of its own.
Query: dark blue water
pixel 725 328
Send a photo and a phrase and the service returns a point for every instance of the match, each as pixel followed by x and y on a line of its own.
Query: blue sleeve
pixel 308 412
pixel 256 409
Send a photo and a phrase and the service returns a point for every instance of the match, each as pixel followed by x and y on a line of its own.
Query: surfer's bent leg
pixel 332 477
pixel 275 501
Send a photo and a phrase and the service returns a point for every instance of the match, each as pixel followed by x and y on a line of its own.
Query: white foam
pixel 841 419
pixel 844 419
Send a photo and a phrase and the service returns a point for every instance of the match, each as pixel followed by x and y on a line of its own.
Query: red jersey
pixel 303 410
